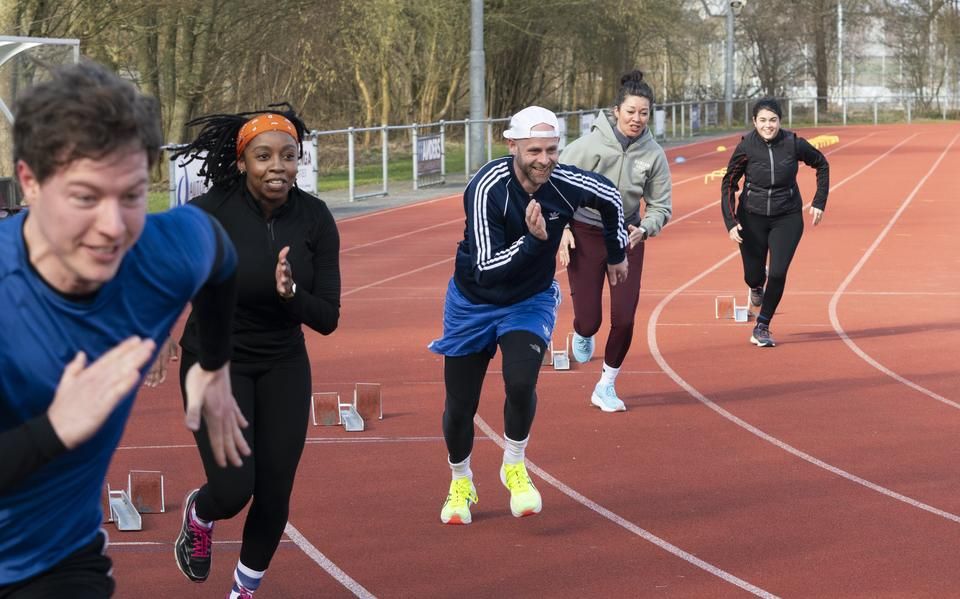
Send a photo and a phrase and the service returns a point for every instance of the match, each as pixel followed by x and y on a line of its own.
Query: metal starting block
pixel 122 512
pixel 726 306
pixel 325 408
pixel 368 401
pixel 561 357
pixel 144 495
pixel 351 419
pixel 145 491
pixel 548 355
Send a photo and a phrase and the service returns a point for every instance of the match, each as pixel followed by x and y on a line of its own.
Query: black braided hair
pixel 218 138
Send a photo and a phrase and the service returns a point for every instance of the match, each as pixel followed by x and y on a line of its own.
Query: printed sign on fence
pixel 429 153
pixel 659 122
pixel 694 118
pixel 185 180
pixel 307 169
pixel 586 122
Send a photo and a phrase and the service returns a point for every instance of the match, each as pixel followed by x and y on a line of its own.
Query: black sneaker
pixel 756 296
pixel 192 548
pixel 761 336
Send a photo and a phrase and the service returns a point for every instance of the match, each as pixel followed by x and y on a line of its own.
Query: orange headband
pixel 261 124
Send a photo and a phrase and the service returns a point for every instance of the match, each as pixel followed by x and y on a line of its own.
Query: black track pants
pixel 463 376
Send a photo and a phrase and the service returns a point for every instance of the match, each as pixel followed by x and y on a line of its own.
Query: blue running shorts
pixel 470 328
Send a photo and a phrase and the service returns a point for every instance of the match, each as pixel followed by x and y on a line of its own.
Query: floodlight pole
pixel 477 87
pixel 840 91
pixel 728 80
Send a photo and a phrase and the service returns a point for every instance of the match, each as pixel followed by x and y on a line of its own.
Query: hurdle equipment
pixel 726 307
pixel 325 408
pixel 822 141
pixel 368 400
pixel 561 357
pixel 717 174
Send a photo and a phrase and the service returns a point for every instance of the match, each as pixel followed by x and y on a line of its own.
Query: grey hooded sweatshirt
pixel 640 172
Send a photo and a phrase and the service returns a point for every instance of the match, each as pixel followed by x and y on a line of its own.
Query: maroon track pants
pixel 586 273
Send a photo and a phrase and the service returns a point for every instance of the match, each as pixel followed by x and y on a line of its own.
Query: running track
pixel 826 467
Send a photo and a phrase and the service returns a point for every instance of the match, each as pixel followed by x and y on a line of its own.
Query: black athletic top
pixel 770 169
pixel 265 325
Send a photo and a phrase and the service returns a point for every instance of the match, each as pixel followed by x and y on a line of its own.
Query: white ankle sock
pixel 198 520
pixel 246 577
pixel 462 469
pixel 513 451
pixel 609 374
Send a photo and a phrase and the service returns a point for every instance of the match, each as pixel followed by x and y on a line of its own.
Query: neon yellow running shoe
pixel 456 509
pixel 524 497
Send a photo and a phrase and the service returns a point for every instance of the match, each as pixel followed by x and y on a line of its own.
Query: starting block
pixel 350 418
pixel 368 401
pixel 145 490
pixel 122 512
pixel 726 306
pixel 325 408
pixel 561 357
pixel 144 495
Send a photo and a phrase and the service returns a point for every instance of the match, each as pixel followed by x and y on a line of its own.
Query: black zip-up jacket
pixel 499 261
pixel 770 176
pixel 266 326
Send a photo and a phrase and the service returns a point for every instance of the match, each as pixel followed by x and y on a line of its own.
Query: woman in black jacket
pixel 288 275
pixel 768 217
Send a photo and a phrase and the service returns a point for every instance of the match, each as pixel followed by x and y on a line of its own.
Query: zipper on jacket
pixel 770 189
pixel 271 241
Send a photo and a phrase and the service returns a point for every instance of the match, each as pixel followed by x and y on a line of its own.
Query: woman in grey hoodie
pixel 621 147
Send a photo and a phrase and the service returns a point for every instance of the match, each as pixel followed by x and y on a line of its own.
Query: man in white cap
pixel 503 293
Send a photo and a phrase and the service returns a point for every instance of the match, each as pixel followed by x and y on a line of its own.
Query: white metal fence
pixel 425 146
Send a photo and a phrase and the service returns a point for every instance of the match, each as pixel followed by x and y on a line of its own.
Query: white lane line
pixel 401 235
pixel 626 524
pixel 314 440
pixel 351 219
pixel 324 562
pixel 835 320
pixel 395 277
pixel 692 391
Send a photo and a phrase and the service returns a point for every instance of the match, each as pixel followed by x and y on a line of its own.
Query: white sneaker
pixel 605 397
pixel 582 348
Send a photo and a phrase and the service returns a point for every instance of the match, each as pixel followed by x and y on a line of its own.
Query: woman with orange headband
pixel 288 275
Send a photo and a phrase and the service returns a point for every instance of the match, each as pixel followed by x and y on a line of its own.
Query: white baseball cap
pixel 522 123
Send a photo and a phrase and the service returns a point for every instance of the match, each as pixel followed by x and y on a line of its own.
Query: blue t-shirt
pixel 57 509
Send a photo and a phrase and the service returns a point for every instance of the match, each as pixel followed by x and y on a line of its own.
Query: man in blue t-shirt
pixel 89 284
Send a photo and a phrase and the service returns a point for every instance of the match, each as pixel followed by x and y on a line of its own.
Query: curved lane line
pixel 626 524
pixel 835 320
pixel 692 391
pixel 324 562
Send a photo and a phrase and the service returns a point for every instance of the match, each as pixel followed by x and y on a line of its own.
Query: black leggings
pixel 463 375
pixel 778 235
pixel 275 399
pixel 84 574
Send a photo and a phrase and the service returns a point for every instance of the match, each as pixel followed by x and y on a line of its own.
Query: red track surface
pixel 826 467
